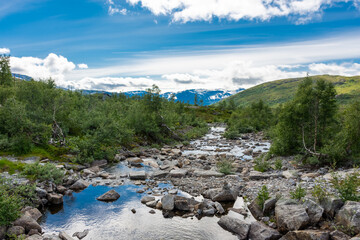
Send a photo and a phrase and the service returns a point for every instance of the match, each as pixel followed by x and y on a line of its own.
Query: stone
pixel 152 204
pixel 2 232
pixel 176 151
pixel 33 232
pixel 64 236
pixel 27 223
pixel 135 161
pixel 290 174
pixel 133 210
pixel 16 230
pixel 307 235
pixel 152 211
pixel 237 226
pixel 337 235
pixel 147 199
pixel 259 231
pixel 178 173
pixel 255 210
pixel 207 174
pixel 269 205
pixel 99 163
pixel 219 208
pixel 168 202
pixel 159 174
pixel 158 205
pixel 34 237
pixel 109 196
pixel 51 237
pixel 61 189
pixel 41 192
pixel 349 216
pixel 138 175
pixel 34 213
pixel 81 235
pixel 225 194
pixel 209 211
pixel 331 206
pixel 314 210
pixel 55 198
pixel 79 185
pixel 182 204
pixel 291 217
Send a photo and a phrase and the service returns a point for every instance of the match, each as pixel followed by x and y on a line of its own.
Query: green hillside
pixel 281 91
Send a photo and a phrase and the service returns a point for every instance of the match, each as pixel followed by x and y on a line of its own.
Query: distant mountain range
pixel 204 97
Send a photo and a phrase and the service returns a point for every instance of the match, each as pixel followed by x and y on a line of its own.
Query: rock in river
pixel 109 196
pixel 168 202
pixel 79 185
pixel 235 225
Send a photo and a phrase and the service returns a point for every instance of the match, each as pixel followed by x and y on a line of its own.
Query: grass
pixel 10 166
pixel 225 166
pixel 278 92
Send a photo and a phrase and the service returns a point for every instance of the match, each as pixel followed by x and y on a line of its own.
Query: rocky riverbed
pixel 178 192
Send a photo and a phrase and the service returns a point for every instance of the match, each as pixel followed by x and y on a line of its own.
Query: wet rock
pixel 81 235
pixel 307 235
pixel 139 175
pixel 337 235
pixel 255 210
pixel 178 173
pixel 79 185
pixel 64 236
pixel 314 210
pixel 147 199
pixel 109 196
pixel 207 174
pixel 235 225
pixel 152 204
pixel 168 202
pixel 133 210
pixel 16 230
pixel 27 223
pixel 291 217
pixel 55 198
pixel 33 213
pixel 349 216
pixel 259 231
pixel 331 206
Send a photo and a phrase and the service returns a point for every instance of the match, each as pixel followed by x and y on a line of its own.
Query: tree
pixel 5 71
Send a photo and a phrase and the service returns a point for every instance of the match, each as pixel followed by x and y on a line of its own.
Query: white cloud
pixel 83 66
pixel 344 69
pixel 206 10
pixel 114 9
pixel 4 51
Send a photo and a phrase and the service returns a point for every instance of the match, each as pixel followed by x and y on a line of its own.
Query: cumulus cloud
pixel 83 66
pixel 114 9
pixel 345 69
pixel 4 51
pixel 206 10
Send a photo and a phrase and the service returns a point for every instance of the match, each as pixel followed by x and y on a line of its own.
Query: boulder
pixel 237 226
pixel 314 210
pixel 331 206
pixel 135 161
pixel 219 208
pixel 16 230
pixel 207 174
pixel 255 210
pixel 79 185
pixel 109 196
pixel 34 237
pixel 64 236
pixel 307 235
pixel 182 204
pixel 290 174
pixel 152 204
pixel 337 235
pixel 225 194
pixel 33 232
pixel 33 212
pixel 147 199
pixel 27 223
pixel 291 217
pixel 168 202
pixel 61 189
pixel 55 198
pixel 41 192
pixel 81 235
pixel 269 205
pixel 99 163
pixel 260 231
pixel 349 216
pixel 178 173
pixel 51 237
pixel 138 175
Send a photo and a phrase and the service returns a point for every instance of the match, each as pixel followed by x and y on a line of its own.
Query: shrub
pixel 278 164
pixel 347 187
pixel 261 164
pixel 298 193
pixel 225 166
pixel 262 196
pixel 319 192
pixel 46 172
pixel 9 166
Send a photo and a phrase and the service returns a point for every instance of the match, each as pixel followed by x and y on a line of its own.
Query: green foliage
pixel 45 172
pixel 347 187
pixel 278 164
pixel 5 72
pixel 10 166
pixel 261 164
pixel 225 166
pixel 262 196
pixel 299 193
pixel 319 192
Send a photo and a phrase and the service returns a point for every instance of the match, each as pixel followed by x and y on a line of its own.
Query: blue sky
pixel 122 45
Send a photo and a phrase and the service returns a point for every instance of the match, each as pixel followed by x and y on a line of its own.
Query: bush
pixel 299 193
pixel 278 164
pixel 319 192
pixel 9 166
pixel 46 172
pixel 262 196
pixel 261 164
pixel 225 166
pixel 347 187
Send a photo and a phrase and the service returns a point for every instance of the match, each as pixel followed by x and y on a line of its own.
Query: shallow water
pixel 116 221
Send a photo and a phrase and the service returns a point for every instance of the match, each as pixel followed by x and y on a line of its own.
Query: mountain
pixel 281 91
pixel 22 77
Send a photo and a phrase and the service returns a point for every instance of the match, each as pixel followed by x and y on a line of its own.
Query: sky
pixel 127 45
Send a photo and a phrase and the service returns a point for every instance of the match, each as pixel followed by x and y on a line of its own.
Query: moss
pixel 10 166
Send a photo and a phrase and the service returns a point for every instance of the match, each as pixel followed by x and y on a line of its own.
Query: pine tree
pixel 5 72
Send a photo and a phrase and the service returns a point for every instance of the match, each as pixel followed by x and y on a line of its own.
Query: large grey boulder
pixel 331 206
pixel 307 235
pixel 269 205
pixel 55 199
pixel 349 216
pixel 79 185
pixel 16 230
pixel 34 237
pixel 224 194
pixel 81 235
pixel 33 212
pixel 314 210
pixel 260 231
pixel 109 196
pixel 168 202
pixel 291 217
pixel 237 226
pixel 147 199
pixel 27 223
pixel 255 210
